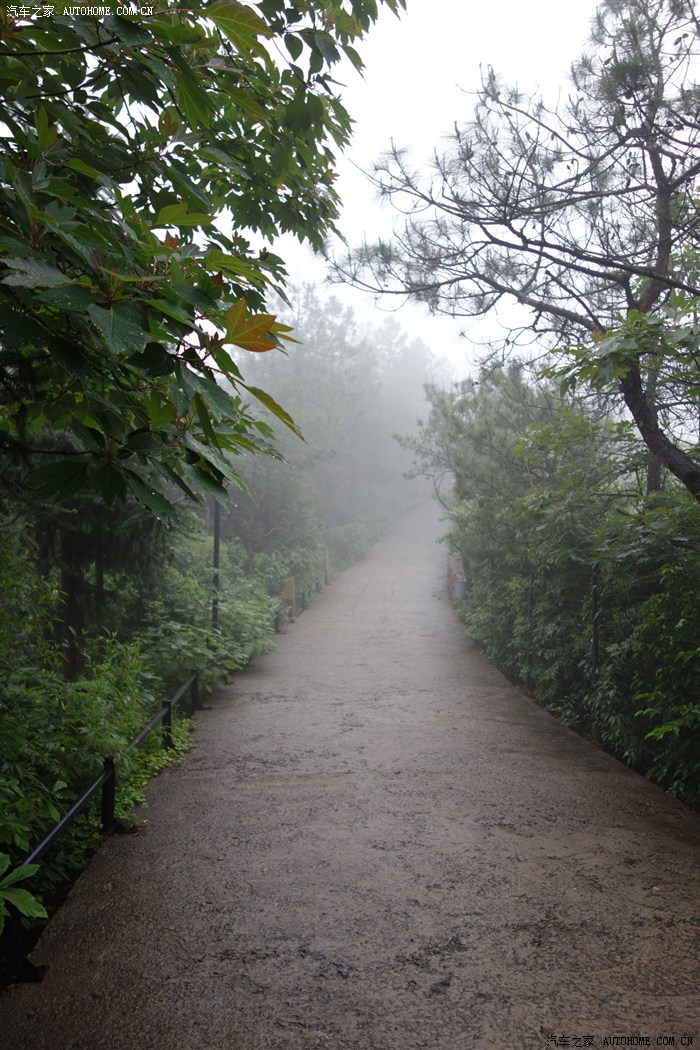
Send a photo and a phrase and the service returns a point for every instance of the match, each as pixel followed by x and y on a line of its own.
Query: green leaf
pixel 179 215
pixel 225 405
pixel 142 441
pixel 110 483
pixel 148 497
pixel 73 298
pixel 24 871
pixel 58 480
pixel 205 421
pixel 250 106
pixel 25 903
pixel 209 483
pixel 294 45
pixel 33 273
pixel 326 45
pixel 179 33
pixel 120 327
pixel 225 362
pixel 130 32
pixel 271 405
pixel 161 412
pixel 315 62
pixel 192 98
pixel 46 133
pixel 220 261
pixel 354 57
pixel 279 160
pixel 154 360
pixel 297 115
pixel 76 164
pixel 242 25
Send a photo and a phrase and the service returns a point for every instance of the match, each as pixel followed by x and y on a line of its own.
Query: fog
pixel 352 386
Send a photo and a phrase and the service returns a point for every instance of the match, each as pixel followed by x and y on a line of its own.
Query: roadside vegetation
pixel 107 609
pixel 581 582
pixel 576 226
pixel 148 164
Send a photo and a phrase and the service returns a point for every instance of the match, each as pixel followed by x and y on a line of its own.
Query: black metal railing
pixel 19 968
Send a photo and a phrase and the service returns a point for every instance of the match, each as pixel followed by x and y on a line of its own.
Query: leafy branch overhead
pixel 139 164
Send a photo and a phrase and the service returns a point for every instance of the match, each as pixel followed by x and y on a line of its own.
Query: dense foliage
pixel 581 584
pixel 140 155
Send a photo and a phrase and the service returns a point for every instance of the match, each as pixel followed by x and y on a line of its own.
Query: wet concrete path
pixel 379 844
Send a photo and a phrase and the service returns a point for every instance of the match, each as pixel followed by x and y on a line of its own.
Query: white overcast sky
pixel 419 73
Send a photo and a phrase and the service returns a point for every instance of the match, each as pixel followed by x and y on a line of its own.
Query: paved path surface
pixel 379 844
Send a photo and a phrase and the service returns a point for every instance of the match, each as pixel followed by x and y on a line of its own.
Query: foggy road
pixel 379 844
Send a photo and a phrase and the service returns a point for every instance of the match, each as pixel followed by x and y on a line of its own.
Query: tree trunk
pixel 654 466
pixel 678 462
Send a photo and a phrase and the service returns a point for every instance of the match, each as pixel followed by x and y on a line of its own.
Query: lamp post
pixel 217 539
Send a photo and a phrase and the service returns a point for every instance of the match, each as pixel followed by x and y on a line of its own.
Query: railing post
pixel 530 621
pixel 168 725
pixel 194 690
pixel 216 581
pixel 595 613
pixel 108 794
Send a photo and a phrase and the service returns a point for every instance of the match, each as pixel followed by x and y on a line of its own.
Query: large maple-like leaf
pixel 254 332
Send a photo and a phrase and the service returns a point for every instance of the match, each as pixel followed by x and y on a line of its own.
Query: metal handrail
pixel 78 806
pixel 21 969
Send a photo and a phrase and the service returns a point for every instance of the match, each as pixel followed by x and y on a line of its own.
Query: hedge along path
pixel 379 844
